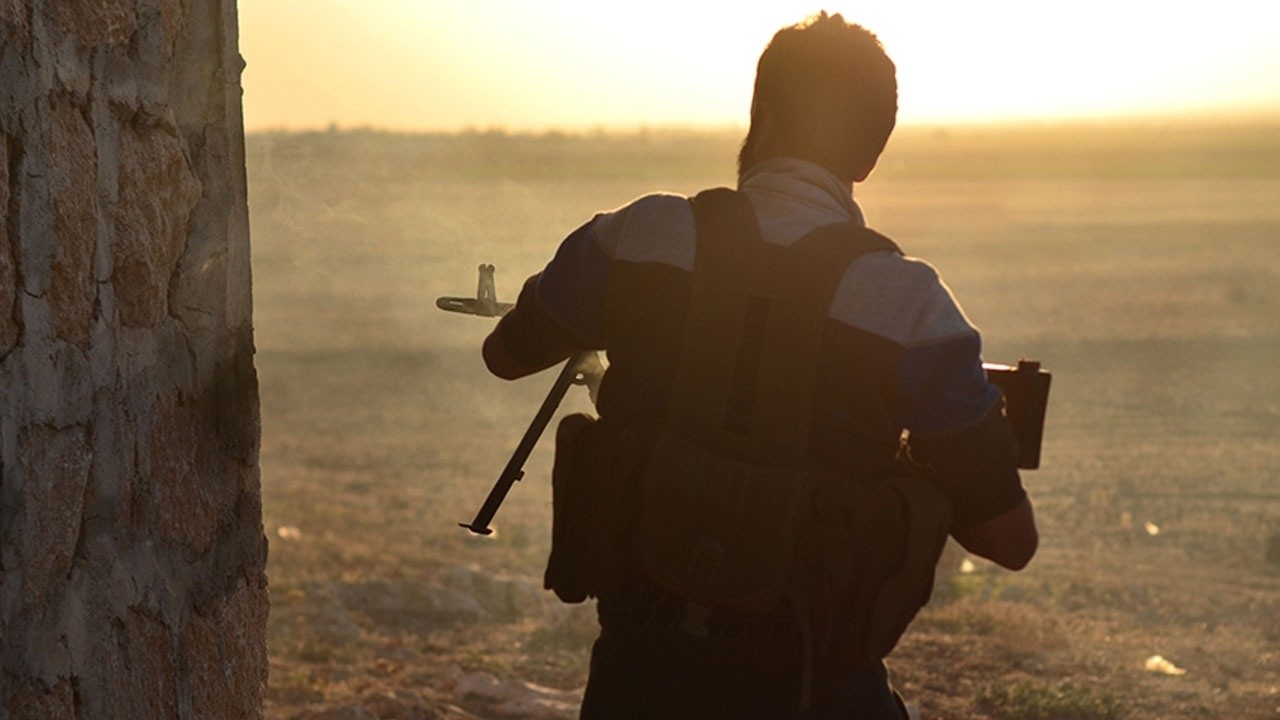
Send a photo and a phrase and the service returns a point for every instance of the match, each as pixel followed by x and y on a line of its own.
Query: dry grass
pixel 1140 266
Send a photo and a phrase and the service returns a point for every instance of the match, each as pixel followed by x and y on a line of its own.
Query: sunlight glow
pixel 445 64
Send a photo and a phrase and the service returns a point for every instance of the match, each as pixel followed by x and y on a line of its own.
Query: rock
pixel 324 617
pixel 142 670
pixel 219 650
pixel 480 685
pixel 57 465
pixel 506 598
pixel 97 22
pixel 56 375
pixel 30 701
pixel 188 501
pixel 157 192
pixel 13 18
pixel 518 699
pixel 72 186
pixel 8 267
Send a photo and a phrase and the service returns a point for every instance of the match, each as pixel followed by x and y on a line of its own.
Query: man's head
pixel 825 92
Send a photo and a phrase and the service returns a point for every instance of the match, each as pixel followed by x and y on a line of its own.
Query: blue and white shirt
pixel 898 352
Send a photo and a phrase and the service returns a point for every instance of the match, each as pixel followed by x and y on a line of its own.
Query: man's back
pixel 895 353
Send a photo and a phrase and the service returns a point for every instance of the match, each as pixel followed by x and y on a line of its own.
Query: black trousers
pixel 639 674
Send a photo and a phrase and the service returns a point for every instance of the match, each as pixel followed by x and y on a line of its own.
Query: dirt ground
pixel 1138 263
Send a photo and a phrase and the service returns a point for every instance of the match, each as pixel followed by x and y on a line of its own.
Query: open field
pixel 1141 264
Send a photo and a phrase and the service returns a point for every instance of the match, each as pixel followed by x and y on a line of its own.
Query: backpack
pixel 724 505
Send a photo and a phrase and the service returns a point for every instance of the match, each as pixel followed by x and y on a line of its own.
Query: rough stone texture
pixel 73 180
pixel 30 701
pixel 189 501
pixel 215 645
pixel 13 18
pixel 155 197
pixel 97 22
pixel 56 464
pixel 8 271
pixel 132 556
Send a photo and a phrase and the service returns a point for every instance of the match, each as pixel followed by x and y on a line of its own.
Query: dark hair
pixel 831 93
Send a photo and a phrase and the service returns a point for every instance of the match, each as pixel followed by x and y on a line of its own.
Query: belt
pixel 641 605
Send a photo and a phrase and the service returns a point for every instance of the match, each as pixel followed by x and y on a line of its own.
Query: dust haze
pixel 1137 262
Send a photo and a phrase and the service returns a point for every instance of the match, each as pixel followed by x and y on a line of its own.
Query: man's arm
pixel 1009 539
pixel 503 364
pixel 977 468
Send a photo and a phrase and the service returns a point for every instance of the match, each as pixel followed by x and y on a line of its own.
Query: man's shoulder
pixel 900 298
pixel 658 227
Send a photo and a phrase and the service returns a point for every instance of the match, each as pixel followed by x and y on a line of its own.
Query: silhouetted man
pixel 875 343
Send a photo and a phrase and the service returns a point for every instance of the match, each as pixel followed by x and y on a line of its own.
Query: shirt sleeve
pixel 559 310
pixel 955 416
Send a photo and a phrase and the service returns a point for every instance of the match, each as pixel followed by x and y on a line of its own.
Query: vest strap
pixel 745 381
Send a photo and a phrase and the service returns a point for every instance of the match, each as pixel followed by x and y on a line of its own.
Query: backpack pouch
pixel 719 530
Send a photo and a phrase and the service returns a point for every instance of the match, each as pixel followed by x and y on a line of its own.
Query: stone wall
pixel 132 556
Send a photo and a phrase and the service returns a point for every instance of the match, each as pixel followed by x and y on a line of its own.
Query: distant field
pixel 1141 264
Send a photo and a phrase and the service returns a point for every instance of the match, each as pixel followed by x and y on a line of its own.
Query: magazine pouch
pixel 718 530
pixel 593 502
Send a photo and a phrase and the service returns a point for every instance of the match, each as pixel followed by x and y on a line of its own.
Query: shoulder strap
pixel 754 330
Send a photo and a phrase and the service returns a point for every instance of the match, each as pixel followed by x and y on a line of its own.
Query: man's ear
pixel 863 175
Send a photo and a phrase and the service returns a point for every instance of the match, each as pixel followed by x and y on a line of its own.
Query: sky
pixel 534 65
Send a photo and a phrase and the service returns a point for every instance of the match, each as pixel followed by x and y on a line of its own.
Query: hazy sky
pixel 536 64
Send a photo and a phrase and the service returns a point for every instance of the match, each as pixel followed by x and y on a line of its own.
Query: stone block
pixel 71 67
pixel 32 700
pixel 73 175
pixel 156 194
pixel 114 440
pixel 97 22
pixel 56 470
pixel 143 667
pixel 55 375
pixel 224 650
pixel 8 268
pixel 13 18
pixel 186 493
pixel 161 24
pixel 32 232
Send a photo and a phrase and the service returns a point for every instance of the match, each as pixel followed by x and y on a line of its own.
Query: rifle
pixel 1025 387
pixel 1026 397
pixel 583 368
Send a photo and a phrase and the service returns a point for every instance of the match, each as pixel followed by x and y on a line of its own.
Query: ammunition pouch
pixel 720 531
pixel 593 502
pixel 868 561
pixel 855 558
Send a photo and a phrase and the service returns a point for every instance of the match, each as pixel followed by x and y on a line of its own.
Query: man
pixel 895 353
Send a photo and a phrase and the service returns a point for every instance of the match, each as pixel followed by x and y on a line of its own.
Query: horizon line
pixel 1253 116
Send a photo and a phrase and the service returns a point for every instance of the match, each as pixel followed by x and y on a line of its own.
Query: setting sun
pixel 409 64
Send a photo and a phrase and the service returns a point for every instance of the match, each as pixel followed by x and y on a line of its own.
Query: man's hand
pixel 1009 539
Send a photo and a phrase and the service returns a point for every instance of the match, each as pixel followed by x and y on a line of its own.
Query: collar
pixel 795 181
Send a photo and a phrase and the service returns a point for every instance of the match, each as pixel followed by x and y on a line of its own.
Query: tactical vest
pixel 725 505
